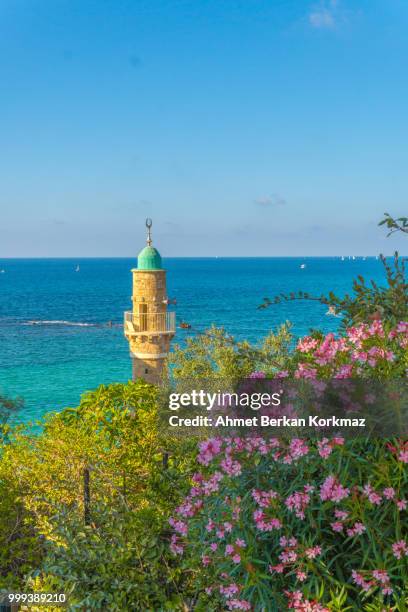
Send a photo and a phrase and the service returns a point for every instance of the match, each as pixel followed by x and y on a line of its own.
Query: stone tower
pixel 149 328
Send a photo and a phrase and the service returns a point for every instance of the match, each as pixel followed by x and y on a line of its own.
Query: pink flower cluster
pixel 298 501
pixel 325 446
pixel 295 556
pixel 388 493
pixel 400 549
pixel 400 451
pixel 364 346
pixel 332 490
pixel 297 601
pixel 338 526
pixel 378 578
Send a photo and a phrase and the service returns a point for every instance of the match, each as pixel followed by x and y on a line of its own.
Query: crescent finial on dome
pixel 149 224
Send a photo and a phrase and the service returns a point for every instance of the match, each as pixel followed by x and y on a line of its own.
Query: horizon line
pixel 346 257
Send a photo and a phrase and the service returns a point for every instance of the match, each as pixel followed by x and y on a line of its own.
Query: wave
pixel 58 322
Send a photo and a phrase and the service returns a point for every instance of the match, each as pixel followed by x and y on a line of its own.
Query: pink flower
pixel 238 604
pixel 175 547
pixel 312 553
pixel 389 493
pixel 400 549
pixel 340 514
pixel 297 502
pixel 332 490
pixel 337 526
pixel 357 529
pixel 403 456
pixel 373 497
pixel 288 556
pixel 208 450
pixel 298 448
pixel 304 370
pixel 307 344
pixel 381 576
pixel 236 558
pixel 360 581
pixel 345 371
pixel 230 590
pixel 230 467
pixel 178 526
pixel 277 568
pixel 212 484
pixel 296 601
pixel 387 590
pixel 324 448
pixel 263 498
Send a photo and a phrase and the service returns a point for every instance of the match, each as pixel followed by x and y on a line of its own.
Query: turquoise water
pixel 55 342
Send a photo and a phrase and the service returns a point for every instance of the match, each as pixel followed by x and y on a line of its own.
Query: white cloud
pixel 324 16
pixel 270 201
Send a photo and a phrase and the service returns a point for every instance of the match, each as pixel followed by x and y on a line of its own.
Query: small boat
pixel 332 312
pixel 302 266
pixel 342 259
pixel 77 269
pixel 184 325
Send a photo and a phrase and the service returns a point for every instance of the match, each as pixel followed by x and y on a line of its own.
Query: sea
pixel 61 320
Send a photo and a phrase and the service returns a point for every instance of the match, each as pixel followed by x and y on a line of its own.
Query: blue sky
pixel 247 127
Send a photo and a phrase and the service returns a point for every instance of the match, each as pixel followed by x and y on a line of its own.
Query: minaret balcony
pixel 150 324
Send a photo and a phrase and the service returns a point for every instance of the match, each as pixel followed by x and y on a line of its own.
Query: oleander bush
pixel 297 524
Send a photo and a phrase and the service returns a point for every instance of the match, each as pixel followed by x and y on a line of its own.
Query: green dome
pixel 149 259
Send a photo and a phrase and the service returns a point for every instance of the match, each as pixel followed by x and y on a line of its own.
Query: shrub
pixel 106 546
pixel 274 524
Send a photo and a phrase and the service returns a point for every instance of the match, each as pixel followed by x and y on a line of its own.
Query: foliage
pixel 300 524
pixel 19 550
pixel 118 555
pixel 395 225
pixel 215 353
pixel 7 407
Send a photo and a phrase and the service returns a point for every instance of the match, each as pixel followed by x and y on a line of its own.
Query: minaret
pixel 149 328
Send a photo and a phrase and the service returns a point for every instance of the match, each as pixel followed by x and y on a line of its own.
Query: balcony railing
pixel 154 323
